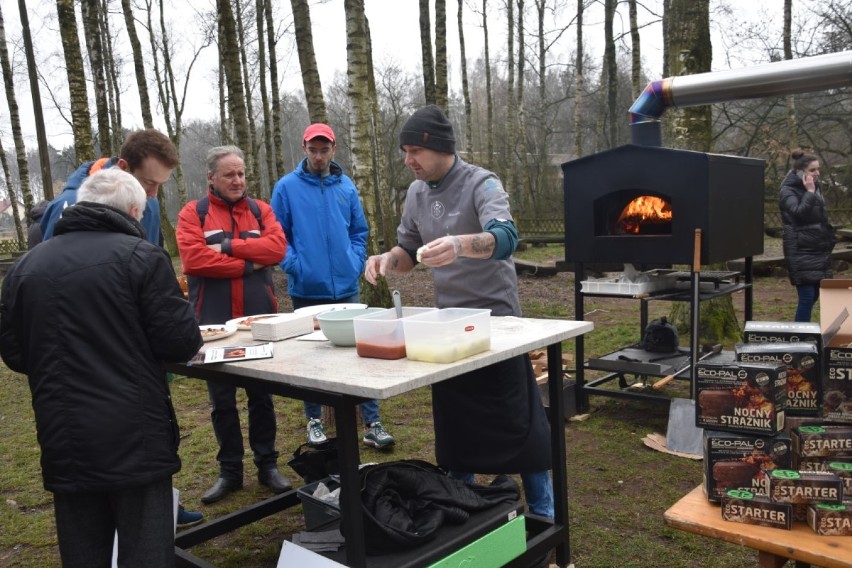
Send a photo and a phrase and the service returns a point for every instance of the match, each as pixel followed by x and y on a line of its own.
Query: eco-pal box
pixel 836 327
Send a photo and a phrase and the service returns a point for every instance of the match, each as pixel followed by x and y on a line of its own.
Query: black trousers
pixel 226 426
pixel 143 516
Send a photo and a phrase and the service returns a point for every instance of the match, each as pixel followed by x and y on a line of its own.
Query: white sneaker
pixel 316 432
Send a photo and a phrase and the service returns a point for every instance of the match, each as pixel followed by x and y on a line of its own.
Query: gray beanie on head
pixel 429 128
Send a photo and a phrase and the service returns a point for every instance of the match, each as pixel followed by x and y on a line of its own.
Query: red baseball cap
pixel 318 130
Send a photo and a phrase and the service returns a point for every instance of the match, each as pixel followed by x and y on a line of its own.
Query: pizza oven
pixel 641 204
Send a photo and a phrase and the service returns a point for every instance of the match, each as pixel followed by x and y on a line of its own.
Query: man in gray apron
pixel 456 220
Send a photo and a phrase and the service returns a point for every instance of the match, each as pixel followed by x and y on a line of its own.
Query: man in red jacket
pixel 229 244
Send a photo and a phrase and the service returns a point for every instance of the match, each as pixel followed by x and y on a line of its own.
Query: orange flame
pixel 644 209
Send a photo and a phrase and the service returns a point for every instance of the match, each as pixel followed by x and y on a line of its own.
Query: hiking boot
pixel 376 436
pixel 316 432
pixel 187 519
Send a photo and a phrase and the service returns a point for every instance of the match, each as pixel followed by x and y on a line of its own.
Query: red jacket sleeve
pixel 270 248
pixel 200 260
pixel 196 257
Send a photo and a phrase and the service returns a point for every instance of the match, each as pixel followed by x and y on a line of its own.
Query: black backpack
pixel 660 337
pixel 203 205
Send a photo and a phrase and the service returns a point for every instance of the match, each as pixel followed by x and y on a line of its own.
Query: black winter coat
pixel 89 316
pixel 406 502
pixel 808 237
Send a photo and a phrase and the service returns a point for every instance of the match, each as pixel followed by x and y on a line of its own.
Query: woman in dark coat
pixel 808 237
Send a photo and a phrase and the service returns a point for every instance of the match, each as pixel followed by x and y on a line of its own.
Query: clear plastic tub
pixel 381 335
pixel 447 335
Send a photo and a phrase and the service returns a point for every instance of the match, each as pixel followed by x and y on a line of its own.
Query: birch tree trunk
pixel 579 84
pixel 38 113
pixel 15 118
pixel 276 97
pixel 229 50
pixel 381 174
pixel 94 47
pixel 511 110
pixel 468 118
pixel 441 89
pixel 13 197
pixel 308 61
pixel 260 189
pixel 522 177
pixel 225 136
pixel 489 92
pixel 363 174
pixel 138 64
pixel 610 75
pixel 542 164
pixel 112 82
pixel 636 54
pixel 426 54
pixel 269 145
pixel 689 52
pixel 80 119
pixel 790 100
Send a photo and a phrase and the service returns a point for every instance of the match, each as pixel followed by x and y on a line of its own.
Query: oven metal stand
pixel 583 389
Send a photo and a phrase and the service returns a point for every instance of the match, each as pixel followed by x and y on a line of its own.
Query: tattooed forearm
pixel 482 244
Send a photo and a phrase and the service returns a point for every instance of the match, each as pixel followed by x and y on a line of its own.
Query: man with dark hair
pixel 456 220
pixel 90 316
pixel 148 155
pixel 320 210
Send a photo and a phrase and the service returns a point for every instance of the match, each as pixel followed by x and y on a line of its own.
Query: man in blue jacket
pixel 148 155
pixel 320 210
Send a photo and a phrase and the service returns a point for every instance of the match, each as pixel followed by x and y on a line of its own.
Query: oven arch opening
pixel 630 212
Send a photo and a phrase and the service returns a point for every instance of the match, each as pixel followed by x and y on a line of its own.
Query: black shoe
pixel 273 479
pixel 221 489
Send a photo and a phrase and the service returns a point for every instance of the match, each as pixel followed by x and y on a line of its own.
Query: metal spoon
pixel 397 303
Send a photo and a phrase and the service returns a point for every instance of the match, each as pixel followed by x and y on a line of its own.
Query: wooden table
pixel 695 514
pixel 337 377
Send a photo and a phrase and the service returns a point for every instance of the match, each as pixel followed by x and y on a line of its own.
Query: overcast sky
pixel 395 32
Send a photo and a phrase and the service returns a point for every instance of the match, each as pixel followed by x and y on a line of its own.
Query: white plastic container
pixel 381 335
pixel 613 286
pixel 447 335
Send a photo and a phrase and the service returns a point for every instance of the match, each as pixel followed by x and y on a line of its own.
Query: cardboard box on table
pixel 836 327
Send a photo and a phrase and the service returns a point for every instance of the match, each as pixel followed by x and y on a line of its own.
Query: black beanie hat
pixel 429 128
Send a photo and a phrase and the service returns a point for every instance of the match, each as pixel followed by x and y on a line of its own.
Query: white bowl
pixel 320 308
pixel 338 327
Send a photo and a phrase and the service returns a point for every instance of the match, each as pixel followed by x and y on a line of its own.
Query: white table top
pixel 323 366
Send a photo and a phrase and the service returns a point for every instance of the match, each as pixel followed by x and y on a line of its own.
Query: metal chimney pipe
pixel 802 75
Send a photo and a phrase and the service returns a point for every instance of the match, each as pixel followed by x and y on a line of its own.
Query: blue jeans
pixel 808 295
pixel 537 488
pixel 369 409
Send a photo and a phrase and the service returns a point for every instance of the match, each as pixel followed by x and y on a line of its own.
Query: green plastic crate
pixel 494 549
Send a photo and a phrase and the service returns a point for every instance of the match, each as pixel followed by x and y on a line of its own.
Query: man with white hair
pixel 90 316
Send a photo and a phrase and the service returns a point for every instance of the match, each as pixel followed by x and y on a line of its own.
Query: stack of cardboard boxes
pixel 778 421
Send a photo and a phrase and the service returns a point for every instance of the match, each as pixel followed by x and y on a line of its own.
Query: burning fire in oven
pixel 645 215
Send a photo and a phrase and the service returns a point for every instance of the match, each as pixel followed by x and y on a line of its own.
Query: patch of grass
pixel 618 488
pixel 547 254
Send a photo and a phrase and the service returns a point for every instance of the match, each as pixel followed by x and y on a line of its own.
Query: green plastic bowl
pixel 338 327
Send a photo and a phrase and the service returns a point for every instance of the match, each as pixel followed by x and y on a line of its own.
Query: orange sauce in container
pixel 380 350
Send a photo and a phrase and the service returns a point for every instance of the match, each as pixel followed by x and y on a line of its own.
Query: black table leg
pixel 352 521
